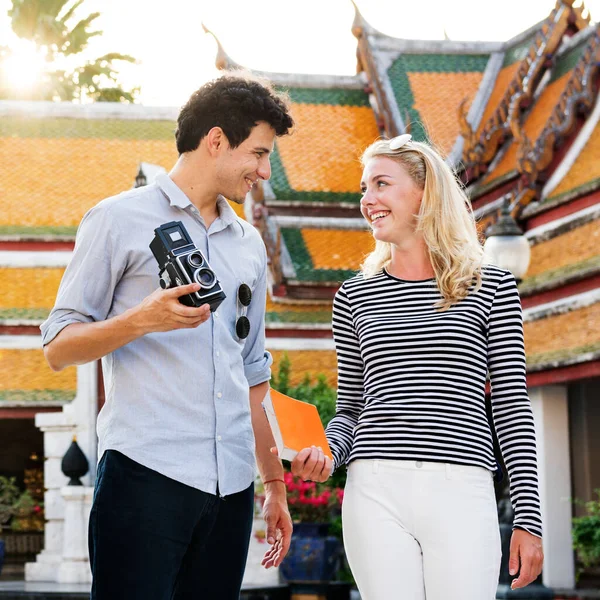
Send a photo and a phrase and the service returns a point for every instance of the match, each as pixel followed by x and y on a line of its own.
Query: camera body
pixel 181 263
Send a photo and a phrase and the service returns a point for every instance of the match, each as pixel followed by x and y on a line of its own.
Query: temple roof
pixel 59 161
pixel 27 379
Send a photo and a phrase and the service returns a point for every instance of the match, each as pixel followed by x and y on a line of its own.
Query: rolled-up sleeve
pixel 87 287
pixel 257 360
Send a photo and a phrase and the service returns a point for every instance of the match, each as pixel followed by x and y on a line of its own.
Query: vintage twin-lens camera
pixel 180 263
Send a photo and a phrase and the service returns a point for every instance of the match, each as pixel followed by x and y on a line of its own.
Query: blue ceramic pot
pixel 313 556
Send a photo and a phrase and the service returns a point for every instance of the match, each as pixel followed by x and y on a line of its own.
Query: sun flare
pixel 23 66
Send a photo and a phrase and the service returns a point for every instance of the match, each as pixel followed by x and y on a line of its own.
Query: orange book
pixel 295 425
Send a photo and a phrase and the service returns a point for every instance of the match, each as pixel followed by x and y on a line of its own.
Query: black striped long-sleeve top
pixel 412 378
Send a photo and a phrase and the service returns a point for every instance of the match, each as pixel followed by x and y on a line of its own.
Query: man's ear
pixel 216 140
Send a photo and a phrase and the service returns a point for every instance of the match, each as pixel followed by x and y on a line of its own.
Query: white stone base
pixel 44 568
pixel 74 572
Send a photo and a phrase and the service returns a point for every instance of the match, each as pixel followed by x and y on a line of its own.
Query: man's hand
pixel 311 464
pixel 526 558
pixel 279 524
pixel 162 311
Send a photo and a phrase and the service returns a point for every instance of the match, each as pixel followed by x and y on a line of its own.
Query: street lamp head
pixel 140 178
pixel 506 246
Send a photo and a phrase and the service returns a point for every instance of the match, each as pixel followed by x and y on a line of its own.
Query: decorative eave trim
pixel 548 231
pixel 342 223
pixel 273 343
pixel 521 88
pixel 546 362
pixel 96 110
pixel 30 259
pixel 469 120
pixel 21 342
pixel 561 307
pixel 570 157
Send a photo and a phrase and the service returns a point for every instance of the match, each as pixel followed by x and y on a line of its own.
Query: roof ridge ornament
pixel 519 93
pixel 223 61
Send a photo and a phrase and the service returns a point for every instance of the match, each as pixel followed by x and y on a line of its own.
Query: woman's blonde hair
pixel 445 220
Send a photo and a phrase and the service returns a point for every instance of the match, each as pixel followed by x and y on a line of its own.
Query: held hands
pixel 526 558
pixel 279 524
pixel 162 311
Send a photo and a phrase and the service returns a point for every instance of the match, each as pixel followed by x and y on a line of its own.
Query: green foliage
pixel 58 35
pixel 9 495
pixel 586 534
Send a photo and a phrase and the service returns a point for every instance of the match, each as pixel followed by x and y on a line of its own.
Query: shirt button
pixel 419 464
pixel 218 354
pixel 216 315
pixel 218 438
pixel 219 395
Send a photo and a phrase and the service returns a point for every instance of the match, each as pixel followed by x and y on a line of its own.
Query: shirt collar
pixel 176 197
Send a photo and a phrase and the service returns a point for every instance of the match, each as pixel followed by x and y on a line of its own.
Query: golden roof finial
pixel 222 60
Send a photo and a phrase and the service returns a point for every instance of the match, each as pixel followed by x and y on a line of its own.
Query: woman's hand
pixel 526 558
pixel 311 464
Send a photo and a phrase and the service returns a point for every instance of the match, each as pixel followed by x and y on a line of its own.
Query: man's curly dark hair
pixel 234 103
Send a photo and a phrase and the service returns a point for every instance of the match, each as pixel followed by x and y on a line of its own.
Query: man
pixel 182 427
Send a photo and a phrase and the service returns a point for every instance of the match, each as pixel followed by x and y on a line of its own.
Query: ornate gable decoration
pixel 480 149
pixel 578 98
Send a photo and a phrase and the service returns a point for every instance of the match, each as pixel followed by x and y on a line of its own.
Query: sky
pixel 175 56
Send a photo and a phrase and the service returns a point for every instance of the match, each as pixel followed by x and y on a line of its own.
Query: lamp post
pixel 506 246
pixel 140 178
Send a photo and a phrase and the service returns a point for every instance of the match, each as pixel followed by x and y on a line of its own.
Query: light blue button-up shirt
pixel 176 402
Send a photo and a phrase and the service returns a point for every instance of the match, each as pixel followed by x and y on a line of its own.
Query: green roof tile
pixel 128 129
pixel 567 61
pixel 332 96
pixel 518 52
pixel 59 396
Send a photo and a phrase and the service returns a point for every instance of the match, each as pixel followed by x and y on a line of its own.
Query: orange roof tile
pixel 335 249
pixel 27 370
pixel 29 288
pixel 322 152
pixel 585 169
pixel 576 329
pixel 54 181
pixel 437 97
pixel 569 248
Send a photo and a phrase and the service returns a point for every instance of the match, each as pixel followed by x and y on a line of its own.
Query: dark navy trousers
pixel 153 538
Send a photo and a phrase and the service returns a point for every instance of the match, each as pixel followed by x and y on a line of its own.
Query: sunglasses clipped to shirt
pixel 242 323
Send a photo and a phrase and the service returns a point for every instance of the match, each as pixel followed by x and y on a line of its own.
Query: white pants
pixel 421 530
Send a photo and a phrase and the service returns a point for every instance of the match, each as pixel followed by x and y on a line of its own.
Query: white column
pixel 550 410
pixel 77 418
pixel 75 565
pixel 58 433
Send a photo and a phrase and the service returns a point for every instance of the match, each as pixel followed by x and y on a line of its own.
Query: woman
pixel 416 333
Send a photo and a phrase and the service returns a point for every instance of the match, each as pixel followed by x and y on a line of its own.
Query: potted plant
pixel 9 494
pixel 586 541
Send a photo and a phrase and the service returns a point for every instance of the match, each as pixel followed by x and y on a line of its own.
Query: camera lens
pixel 195 259
pixel 205 277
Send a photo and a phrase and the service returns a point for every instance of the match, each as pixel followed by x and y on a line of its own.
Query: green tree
pixel 59 36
